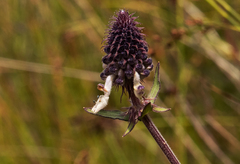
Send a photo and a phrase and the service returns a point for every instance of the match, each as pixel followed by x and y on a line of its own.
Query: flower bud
pixel 129 73
pixel 150 67
pixel 147 62
pixel 145 73
pixel 139 67
pixel 112 69
pixel 103 76
pixel 119 81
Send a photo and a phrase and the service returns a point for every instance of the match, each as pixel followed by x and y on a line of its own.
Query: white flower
pixel 137 86
pixel 103 99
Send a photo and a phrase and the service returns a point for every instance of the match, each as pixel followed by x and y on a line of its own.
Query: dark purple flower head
pixel 126 50
pixel 126 62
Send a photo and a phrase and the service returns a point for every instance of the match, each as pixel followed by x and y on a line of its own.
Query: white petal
pixel 103 99
pixel 101 103
pixel 136 84
pixel 104 66
pixel 108 84
pixel 136 79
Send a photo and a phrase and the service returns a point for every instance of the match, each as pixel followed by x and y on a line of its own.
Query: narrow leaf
pixel 156 86
pixel 129 128
pixel 146 110
pixel 113 114
pixel 159 109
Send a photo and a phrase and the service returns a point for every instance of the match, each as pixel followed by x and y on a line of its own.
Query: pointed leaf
pixel 113 114
pixel 130 128
pixel 156 86
pixel 159 109
pixel 146 110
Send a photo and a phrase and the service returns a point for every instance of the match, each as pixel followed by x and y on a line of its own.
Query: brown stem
pixel 160 140
pixel 150 125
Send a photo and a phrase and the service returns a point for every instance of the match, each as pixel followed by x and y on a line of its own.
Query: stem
pixel 160 140
pixel 150 125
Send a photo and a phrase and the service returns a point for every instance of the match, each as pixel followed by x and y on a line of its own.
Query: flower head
pixel 126 50
pixel 126 62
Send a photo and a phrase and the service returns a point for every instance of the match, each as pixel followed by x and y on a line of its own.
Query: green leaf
pixel 113 114
pixel 146 110
pixel 156 86
pixel 159 109
pixel 129 128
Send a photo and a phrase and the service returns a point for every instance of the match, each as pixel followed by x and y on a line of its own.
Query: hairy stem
pixel 160 140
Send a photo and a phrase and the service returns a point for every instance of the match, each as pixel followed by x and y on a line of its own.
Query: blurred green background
pixel 50 60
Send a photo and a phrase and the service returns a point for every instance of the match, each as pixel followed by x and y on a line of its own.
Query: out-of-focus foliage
pixel 50 57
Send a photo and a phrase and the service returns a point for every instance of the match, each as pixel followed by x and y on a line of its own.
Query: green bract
pixel 148 101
